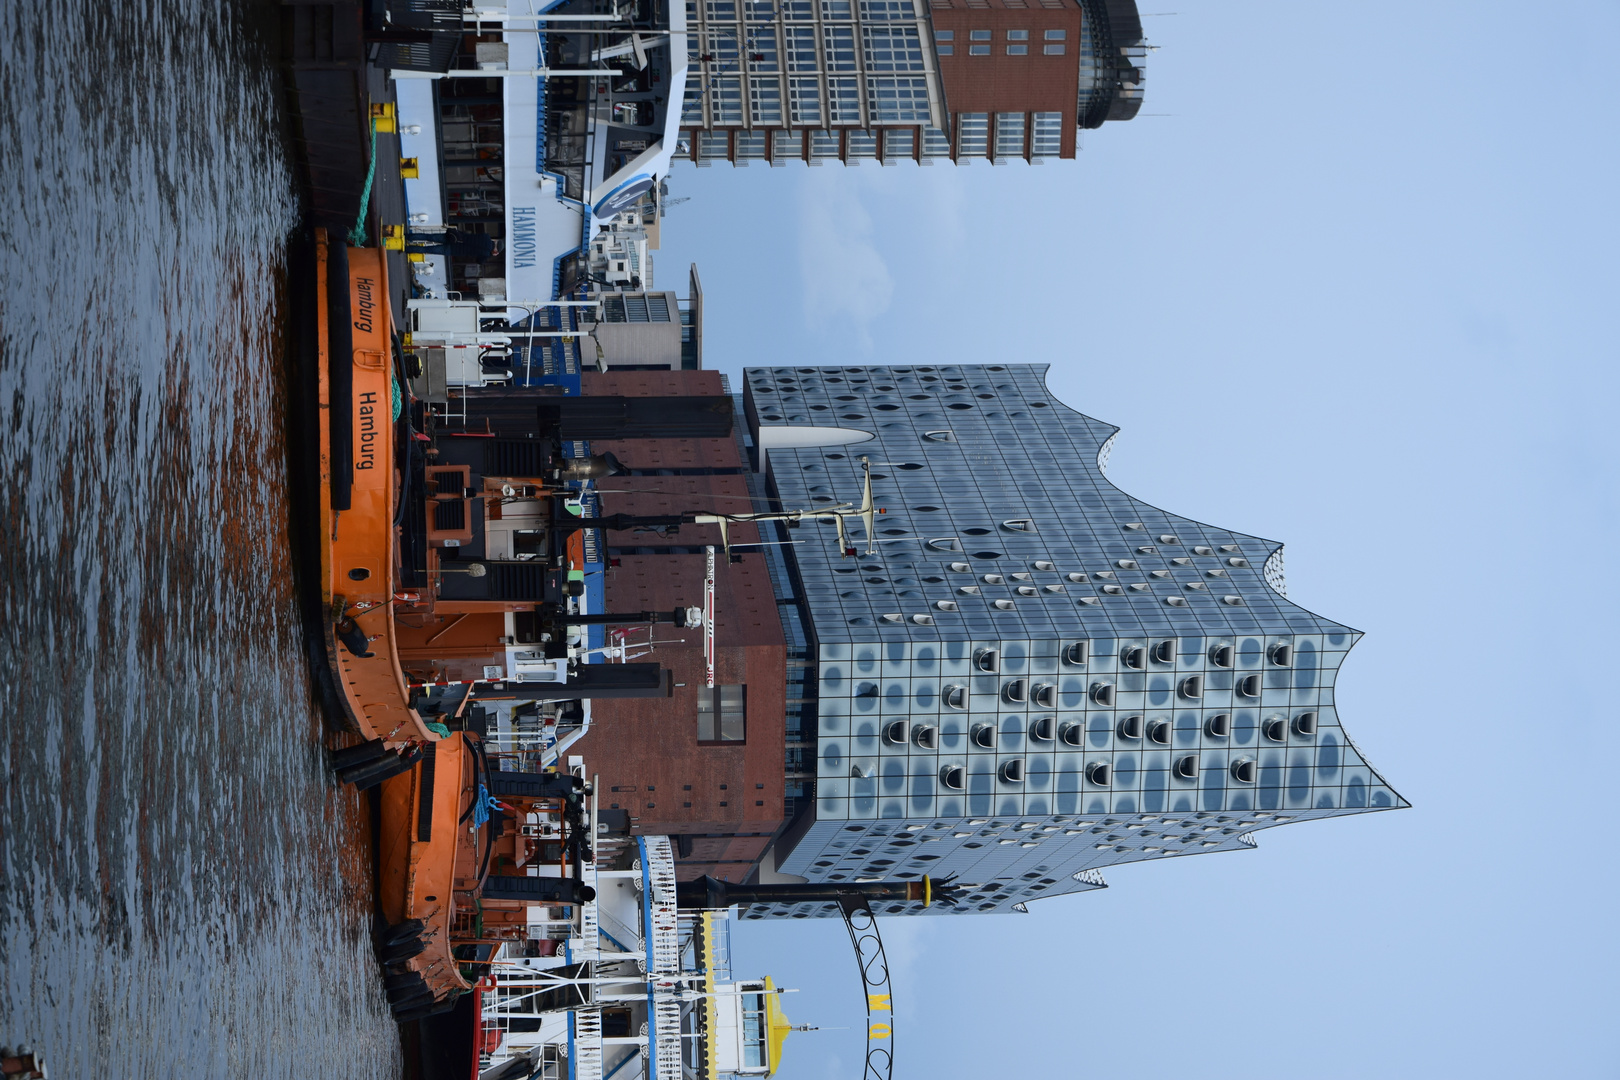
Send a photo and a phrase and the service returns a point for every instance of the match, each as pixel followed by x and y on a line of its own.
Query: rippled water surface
pixel 184 892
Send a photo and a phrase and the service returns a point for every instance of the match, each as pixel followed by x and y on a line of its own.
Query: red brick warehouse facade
pixel 721 797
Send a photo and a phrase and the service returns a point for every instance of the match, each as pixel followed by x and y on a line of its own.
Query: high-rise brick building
pixel 886 80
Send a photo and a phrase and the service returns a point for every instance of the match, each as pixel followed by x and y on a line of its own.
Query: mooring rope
pixel 357 235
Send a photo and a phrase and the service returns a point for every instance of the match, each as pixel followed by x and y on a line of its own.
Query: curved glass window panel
pixel 1299 779
pixel 1305 666
pixel 1327 759
pixel 1244 728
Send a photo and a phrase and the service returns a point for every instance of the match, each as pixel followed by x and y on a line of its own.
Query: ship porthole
pixel 359 573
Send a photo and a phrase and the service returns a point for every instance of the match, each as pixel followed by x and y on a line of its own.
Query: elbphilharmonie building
pixel 1027 675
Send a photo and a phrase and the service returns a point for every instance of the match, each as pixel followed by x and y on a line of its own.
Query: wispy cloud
pixel 846 284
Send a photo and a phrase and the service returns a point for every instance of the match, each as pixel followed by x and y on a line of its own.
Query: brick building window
pixel 892 48
pixel 721 714
pixel 725 99
pixel 765 101
pixel 898 100
pixel 874 10
pixel 972 134
pixel 1048 141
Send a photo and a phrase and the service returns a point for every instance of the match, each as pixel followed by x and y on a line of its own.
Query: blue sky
pixel 1350 285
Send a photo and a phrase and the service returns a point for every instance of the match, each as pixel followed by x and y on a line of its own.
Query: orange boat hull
pixel 359 543
pixel 420 845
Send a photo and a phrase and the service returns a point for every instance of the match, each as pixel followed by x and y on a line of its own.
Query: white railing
pixel 663 918
pixel 666 1032
pixel 588 945
pixel 586 1062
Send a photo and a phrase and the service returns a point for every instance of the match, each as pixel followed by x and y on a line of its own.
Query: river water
pixel 184 892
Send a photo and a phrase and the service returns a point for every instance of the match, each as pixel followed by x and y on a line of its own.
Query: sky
pixel 1348 283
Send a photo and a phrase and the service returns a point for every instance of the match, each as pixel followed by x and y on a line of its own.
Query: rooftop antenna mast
pixel 866 513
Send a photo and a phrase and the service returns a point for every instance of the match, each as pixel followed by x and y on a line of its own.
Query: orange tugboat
pixel 359 512
pixel 359 493
pixel 450 600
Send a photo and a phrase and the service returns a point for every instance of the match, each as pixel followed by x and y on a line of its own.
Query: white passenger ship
pixel 635 989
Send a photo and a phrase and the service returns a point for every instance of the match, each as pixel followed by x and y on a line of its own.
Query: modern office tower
pixel 1028 675
pixel 886 80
